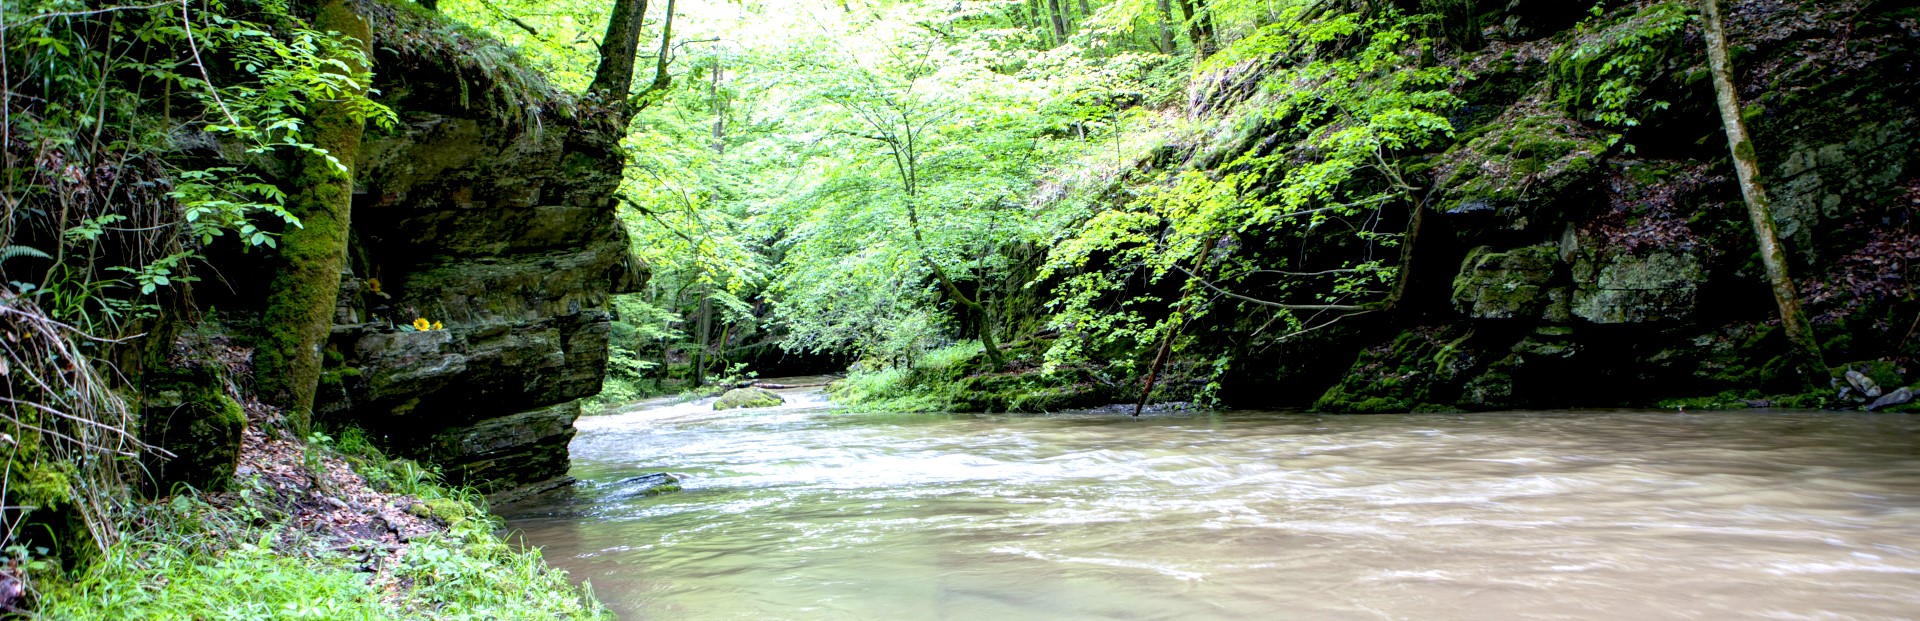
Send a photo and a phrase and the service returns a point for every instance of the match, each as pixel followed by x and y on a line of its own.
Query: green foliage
pixel 1354 115
pixel 1609 69
pixel 194 561
pixel 162 121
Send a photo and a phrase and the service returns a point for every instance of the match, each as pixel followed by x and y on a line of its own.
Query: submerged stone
pixel 748 398
pixel 647 485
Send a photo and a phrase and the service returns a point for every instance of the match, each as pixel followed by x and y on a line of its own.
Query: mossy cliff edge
pixel 490 213
pixel 1577 239
pixel 487 211
pixel 1572 259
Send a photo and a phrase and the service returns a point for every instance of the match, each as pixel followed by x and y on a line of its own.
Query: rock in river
pixel 748 398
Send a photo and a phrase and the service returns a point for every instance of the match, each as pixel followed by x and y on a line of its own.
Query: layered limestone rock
pixel 492 227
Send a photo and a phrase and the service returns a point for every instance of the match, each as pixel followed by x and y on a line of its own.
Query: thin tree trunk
pixel 706 333
pixel 1085 11
pixel 1153 372
pixel 662 79
pixel 302 300
pixel 1059 21
pixel 719 112
pixel 1206 28
pixel 706 292
pixel 1759 210
pixel 1043 20
pixel 1165 25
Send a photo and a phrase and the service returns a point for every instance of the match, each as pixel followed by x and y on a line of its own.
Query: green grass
pixel 195 561
pixel 190 559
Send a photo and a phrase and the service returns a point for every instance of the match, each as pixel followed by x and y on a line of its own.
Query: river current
pixel 805 513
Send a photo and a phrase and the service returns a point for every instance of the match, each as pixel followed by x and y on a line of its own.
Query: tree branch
pixel 1216 289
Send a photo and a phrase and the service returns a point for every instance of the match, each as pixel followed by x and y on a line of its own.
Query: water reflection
pixel 801 514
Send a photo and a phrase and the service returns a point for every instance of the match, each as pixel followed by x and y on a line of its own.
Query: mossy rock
pixel 1518 165
pixel 1421 368
pixel 1504 285
pixel 191 416
pixel 1623 61
pixel 1887 375
pixel 447 509
pixel 748 398
pixel 1658 285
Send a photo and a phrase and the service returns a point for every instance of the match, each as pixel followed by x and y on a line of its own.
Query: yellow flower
pixel 422 325
pixel 437 326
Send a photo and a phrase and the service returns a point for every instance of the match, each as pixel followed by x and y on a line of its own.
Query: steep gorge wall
pixel 488 212
pixel 1559 268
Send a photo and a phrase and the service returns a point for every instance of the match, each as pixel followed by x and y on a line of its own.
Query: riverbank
pixel 316 528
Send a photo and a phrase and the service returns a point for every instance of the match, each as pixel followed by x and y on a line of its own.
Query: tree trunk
pixel 1153 372
pixel 1759 210
pixel 1059 21
pixel 1166 25
pixel 618 49
pixel 301 302
pixel 1198 27
pixel 706 291
pixel 706 332
pixel 662 79
pixel 1043 19
pixel 719 112
pixel 1085 11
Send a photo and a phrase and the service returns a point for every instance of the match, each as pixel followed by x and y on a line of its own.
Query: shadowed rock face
pixel 499 228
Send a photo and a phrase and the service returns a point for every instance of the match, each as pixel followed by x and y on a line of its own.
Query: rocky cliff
pixel 489 213
pixel 1565 260
pixel 1577 239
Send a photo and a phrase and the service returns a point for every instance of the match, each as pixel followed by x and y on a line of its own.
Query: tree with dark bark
pixel 619 52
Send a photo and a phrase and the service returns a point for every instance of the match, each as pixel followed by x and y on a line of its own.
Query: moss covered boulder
pixel 192 418
pixel 748 398
pixel 1421 370
pixel 1505 285
pixel 1519 165
pixel 1656 285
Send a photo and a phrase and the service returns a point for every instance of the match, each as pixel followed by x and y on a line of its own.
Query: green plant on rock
pixel 1609 69
pixel 1354 117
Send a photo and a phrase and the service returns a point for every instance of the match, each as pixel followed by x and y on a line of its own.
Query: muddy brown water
pixel 805 513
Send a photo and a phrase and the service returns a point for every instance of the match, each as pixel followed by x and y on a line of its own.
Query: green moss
pixel 1422 367
pixel 336 378
pixel 1606 73
pixel 447 509
pixel 1504 285
pixel 748 398
pixel 1525 157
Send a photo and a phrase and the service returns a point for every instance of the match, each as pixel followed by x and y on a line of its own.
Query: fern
pixel 11 252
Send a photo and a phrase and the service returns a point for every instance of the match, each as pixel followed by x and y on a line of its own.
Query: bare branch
pixel 1279 305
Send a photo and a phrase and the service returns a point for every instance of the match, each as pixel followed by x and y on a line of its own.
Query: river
pixel 805 513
